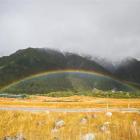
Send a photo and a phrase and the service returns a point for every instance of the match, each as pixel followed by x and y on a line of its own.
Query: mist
pixel 105 28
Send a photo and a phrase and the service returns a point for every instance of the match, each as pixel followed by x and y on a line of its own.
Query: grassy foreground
pixel 70 126
pixel 69 102
pixel 21 125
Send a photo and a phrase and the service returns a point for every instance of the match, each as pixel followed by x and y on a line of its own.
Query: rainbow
pixel 62 71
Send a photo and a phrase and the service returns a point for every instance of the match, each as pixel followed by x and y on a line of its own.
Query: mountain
pixel 129 70
pixel 66 81
pixel 107 64
pixel 26 62
pixel 75 61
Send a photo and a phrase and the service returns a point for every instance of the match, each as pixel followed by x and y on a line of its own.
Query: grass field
pixel 69 126
pixel 22 125
pixel 69 102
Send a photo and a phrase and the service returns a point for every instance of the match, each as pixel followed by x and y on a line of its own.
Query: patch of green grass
pixel 97 93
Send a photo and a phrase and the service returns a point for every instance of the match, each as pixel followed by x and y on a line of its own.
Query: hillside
pixel 30 61
pixel 66 81
pixel 129 70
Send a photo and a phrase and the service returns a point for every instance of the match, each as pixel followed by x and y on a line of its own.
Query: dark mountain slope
pixel 129 70
pixel 126 70
pixel 29 61
pixel 107 64
pixel 66 81
pixel 80 62
pixel 34 60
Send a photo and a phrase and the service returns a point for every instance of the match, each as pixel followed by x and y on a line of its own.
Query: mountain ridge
pixel 30 61
pixel 26 62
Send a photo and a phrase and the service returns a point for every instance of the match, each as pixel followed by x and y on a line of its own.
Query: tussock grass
pixel 41 126
pixel 69 102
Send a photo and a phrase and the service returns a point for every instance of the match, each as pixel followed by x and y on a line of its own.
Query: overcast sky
pixel 107 28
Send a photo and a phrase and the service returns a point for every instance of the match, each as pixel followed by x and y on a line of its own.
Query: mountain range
pixel 26 62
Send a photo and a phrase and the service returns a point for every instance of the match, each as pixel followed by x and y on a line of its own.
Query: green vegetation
pixel 13 95
pixel 31 61
pixel 27 62
pixel 97 93
pixel 129 70
pixel 71 83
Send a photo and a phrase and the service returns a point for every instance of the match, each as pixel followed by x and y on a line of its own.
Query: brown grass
pixel 39 126
pixel 69 102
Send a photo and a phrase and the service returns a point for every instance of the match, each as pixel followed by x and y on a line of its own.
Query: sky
pixel 104 28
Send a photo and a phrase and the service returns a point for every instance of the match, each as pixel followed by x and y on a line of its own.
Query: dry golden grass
pixel 69 102
pixel 41 126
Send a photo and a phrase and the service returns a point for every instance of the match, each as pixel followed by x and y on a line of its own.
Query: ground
pixel 47 125
pixel 70 126
pixel 69 102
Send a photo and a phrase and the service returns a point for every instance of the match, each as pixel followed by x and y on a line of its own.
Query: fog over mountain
pixel 105 28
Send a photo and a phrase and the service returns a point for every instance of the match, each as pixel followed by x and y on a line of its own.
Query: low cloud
pixel 106 28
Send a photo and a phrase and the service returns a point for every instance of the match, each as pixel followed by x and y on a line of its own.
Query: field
pixel 69 126
pixel 47 125
pixel 69 102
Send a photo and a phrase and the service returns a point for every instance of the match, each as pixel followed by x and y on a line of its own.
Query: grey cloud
pixel 107 28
